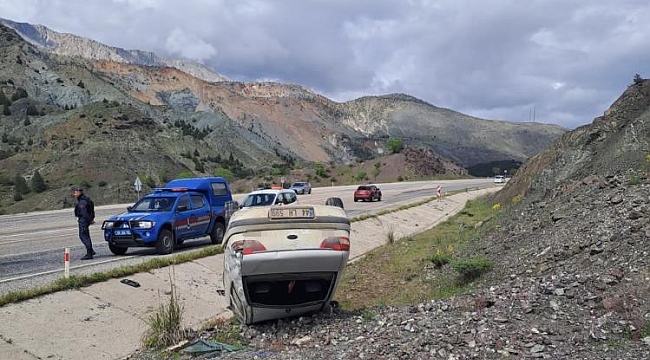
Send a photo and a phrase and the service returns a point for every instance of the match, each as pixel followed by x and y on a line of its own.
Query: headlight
pixel 146 224
pixel 108 224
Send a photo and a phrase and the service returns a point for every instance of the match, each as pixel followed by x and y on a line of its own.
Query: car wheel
pixel 117 250
pixel 165 244
pixel 334 201
pixel 309 191
pixel 216 236
pixel 355 199
pixel 379 198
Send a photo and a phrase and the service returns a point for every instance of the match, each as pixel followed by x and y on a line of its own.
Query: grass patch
pixel 77 281
pixel 472 268
pixel 165 324
pixel 227 331
pixel 405 272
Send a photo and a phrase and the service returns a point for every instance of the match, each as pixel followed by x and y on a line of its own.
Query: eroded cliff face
pixel 615 144
pixel 73 45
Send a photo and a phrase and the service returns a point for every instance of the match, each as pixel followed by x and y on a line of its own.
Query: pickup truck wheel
pixel 165 244
pixel 117 250
pixel 216 236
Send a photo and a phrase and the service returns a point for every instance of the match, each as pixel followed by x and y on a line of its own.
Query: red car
pixel 367 193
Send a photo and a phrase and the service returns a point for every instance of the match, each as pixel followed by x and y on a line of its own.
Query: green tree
pixel 225 173
pixel 377 170
pixel 21 184
pixel 496 170
pixel 185 174
pixel 637 79
pixel 32 110
pixel 17 196
pixel 395 145
pixel 19 94
pixel 38 184
pixel 3 99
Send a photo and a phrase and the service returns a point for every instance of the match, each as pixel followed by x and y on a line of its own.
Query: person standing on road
pixel 82 211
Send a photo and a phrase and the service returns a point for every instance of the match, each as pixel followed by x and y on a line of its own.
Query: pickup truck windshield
pixel 154 204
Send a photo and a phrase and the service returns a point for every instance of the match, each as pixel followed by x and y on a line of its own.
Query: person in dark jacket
pixel 82 212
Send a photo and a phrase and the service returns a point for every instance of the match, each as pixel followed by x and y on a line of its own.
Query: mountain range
pixel 80 112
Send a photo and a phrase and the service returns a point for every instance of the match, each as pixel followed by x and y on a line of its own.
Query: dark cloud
pixel 567 59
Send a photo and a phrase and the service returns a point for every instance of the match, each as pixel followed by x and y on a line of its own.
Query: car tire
pixel 355 199
pixel 334 201
pixel 379 198
pixel 309 192
pixel 117 250
pixel 165 244
pixel 216 236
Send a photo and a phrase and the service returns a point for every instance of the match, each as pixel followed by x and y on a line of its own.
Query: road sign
pixel 138 184
pixel 282 180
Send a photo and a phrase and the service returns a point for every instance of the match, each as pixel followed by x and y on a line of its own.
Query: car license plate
pixel 292 212
pixel 122 232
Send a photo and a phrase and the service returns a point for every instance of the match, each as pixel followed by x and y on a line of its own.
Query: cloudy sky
pixel 554 61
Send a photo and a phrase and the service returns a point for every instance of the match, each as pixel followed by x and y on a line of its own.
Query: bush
pixel 635 179
pixel 496 206
pixel 472 268
pixel 21 185
pixel 38 184
pixel 185 174
pixel 395 145
pixel 440 258
pixel 102 183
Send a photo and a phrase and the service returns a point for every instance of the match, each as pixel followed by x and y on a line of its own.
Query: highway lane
pixel 32 244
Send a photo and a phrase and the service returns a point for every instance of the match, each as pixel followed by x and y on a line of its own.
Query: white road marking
pixel 27 276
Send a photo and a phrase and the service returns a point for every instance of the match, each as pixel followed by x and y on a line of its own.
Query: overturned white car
pixel 284 261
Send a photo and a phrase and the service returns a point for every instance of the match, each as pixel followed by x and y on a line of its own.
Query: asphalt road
pixel 32 244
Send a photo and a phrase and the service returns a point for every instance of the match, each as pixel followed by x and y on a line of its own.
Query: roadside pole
pixel 66 263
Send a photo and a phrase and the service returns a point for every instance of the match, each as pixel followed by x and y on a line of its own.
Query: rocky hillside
pixel 290 116
pixel 77 46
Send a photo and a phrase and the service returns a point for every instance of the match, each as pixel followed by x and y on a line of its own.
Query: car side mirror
pixel 129 208
pixel 181 208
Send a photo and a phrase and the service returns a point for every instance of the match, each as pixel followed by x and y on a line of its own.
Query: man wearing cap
pixel 83 215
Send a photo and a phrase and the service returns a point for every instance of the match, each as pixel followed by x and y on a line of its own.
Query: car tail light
pixel 336 243
pixel 247 247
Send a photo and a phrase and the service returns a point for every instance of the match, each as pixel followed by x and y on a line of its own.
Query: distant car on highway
pixel 499 179
pixel 301 187
pixel 284 261
pixel 269 197
pixel 367 193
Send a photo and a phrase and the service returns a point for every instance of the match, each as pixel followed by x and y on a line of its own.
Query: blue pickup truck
pixel 183 209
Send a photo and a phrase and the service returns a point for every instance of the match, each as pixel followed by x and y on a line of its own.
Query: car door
pixel 199 216
pixel 183 210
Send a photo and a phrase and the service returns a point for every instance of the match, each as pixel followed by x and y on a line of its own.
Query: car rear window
pixel 363 188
